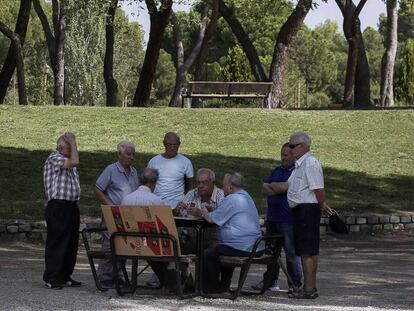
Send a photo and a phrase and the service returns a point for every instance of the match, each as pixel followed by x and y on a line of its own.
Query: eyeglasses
pixel 293 146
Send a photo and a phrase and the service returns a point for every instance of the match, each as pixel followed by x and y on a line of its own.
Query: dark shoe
pixel 72 283
pixel 53 284
pixel 107 283
pixel 188 284
pixel 302 294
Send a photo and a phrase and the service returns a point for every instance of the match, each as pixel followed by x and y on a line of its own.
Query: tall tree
pixel 358 93
pixel 200 62
pixel 244 41
pixel 406 20
pixel 404 84
pixel 388 60
pixel 10 62
pixel 182 66
pixel 110 81
pixel 284 40
pixel 159 18
pixel 15 38
pixel 56 44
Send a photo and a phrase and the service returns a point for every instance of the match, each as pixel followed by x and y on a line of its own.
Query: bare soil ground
pixel 356 272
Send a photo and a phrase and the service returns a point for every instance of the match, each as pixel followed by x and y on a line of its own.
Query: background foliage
pixel 315 73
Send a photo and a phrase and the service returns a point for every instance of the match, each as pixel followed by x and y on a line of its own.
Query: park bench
pixel 156 240
pixel 226 90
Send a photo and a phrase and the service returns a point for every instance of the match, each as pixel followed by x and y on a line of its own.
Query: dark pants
pixel 292 261
pixel 62 219
pixel 217 278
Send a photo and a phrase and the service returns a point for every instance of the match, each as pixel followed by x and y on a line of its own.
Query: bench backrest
pixel 209 87
pixel 157 219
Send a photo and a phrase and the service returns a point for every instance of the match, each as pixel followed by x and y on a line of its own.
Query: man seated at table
pixel 238 229
pixel 144 196
pixel 207 197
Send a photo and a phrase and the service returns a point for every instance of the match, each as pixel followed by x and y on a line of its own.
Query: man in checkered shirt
pixel 62 189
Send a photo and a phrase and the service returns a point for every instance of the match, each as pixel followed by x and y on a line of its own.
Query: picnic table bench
pixel 161 243
pixel 210 89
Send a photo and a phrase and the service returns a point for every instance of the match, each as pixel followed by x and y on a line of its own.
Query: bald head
pixel 171 143
pixel 149 177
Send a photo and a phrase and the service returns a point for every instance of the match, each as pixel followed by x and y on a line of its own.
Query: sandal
pixel 302 294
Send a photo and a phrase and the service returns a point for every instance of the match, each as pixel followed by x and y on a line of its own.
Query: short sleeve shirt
pixel 306 177
pixel 238 221
pixel 170 184
pixel 193 197
pixel 115 183
pixel 278 209
pixel 60 183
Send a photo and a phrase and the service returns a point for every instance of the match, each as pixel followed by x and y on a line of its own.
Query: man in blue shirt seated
pixel 279 218
pixel 238 229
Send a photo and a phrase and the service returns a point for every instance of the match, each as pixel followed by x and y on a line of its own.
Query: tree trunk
pixel 159 19
pixel 110 82
pixel 284 40
pixel 244 40
pixel 211 28
pixel 361 89
pixel 56 45
pixel 388 60
pixel 11 59
pixel 21 84
pixel 182 66
pixel 59 69
pixel 362 75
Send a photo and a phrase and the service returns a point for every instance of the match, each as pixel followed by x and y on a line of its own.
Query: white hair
pixel 124 145
pixel 208 171
pixel 60 143
pixel 235 179
pixel 302 137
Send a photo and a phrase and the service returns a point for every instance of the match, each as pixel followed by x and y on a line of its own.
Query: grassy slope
pixel 367 155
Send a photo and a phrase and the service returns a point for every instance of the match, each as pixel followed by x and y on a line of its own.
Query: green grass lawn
pixel 367 155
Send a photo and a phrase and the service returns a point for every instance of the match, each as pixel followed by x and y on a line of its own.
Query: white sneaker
pixel 153 281
pixel 274 288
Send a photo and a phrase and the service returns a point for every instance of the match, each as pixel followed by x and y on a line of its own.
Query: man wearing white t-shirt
pixel 176 171
pixel 306 197
pixel 175 174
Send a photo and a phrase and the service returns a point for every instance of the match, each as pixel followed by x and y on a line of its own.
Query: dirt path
pixel 356 272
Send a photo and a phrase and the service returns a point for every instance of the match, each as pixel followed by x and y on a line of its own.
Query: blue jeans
pixel 293 264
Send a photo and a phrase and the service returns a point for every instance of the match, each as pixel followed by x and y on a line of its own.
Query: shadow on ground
pixel 356 273
pixel 350 192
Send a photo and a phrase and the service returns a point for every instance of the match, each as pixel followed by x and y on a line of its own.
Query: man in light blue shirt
pixel 115 182
pixel 238 229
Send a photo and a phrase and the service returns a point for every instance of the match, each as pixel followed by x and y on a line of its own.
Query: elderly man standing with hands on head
pixel 115 182
pixel 238 229
pixel 306 196
pixel 62 189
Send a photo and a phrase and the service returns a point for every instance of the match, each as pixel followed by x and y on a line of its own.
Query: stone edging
pixel 372 223
pixel 21 229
